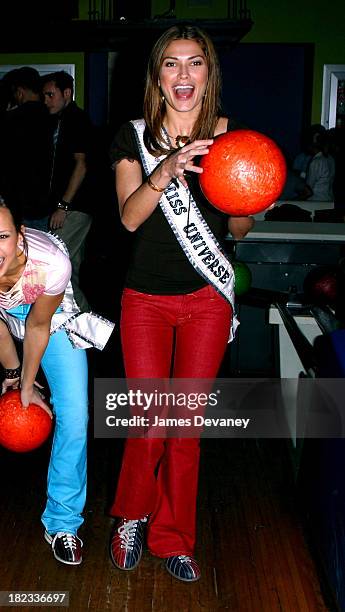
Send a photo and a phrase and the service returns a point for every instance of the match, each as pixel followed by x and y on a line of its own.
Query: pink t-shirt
pixel 47 271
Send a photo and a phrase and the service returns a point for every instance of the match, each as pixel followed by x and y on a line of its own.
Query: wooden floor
pixel 250 543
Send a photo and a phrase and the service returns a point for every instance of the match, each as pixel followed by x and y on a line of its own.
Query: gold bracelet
pixel 155 187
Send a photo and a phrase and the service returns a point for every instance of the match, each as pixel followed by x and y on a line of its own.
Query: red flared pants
pixel 160 476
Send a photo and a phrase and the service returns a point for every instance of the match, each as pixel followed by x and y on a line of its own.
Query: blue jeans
pixel 66 372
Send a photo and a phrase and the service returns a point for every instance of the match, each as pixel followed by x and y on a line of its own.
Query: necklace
pixel 180 141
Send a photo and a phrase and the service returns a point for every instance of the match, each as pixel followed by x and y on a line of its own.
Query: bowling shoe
pixel 126 544
pixel 66 547
pixel 183 568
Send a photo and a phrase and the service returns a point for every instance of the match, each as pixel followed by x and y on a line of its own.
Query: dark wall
pixel 269 87
pixel 96 81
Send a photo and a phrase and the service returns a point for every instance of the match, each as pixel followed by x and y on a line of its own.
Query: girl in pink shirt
pixel 37 307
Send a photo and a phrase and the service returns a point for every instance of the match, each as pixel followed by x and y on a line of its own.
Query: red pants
pixel 159 476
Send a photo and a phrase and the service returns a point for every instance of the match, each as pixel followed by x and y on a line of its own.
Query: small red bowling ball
pixel 321 285
pixel 243 173
pixel 22 429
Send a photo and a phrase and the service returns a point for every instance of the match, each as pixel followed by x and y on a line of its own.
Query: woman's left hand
pixel 10 383
pixel 32 395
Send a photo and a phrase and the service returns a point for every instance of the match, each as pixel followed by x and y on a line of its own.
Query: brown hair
pixel 17 222
pixel 154 105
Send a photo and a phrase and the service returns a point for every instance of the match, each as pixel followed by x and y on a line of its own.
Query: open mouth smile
pixel 183 91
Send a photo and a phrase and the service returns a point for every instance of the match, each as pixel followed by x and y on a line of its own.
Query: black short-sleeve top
pixel 158 264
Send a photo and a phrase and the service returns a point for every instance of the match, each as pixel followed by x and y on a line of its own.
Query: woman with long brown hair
pixel 179 287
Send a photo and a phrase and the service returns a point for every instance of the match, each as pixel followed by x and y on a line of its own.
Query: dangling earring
pixel 162 97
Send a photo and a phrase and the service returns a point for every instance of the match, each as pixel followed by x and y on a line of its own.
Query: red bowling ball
pixel 22 429
pixel 321 285
pixel 243 173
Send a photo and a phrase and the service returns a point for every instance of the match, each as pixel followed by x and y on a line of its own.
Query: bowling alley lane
pixel 251 548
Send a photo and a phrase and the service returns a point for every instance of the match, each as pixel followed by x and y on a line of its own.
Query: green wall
pixel 287 21
pixel 84 8
pixel 309 21
pixel 25 59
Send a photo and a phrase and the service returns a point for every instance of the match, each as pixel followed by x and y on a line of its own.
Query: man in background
pixel 71 188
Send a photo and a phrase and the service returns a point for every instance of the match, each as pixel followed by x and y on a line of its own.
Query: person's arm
pixel 77 176
pixel 37 332
pixel 8 357
pixel 137 200
pixel 74 183
pixel 240 226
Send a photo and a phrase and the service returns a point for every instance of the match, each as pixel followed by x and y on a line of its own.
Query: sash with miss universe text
pixel 191 230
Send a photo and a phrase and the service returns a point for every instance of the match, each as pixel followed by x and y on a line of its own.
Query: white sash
pixel 191 230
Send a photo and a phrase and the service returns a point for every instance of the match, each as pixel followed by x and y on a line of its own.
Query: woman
pixel 37 306
pixel 170 302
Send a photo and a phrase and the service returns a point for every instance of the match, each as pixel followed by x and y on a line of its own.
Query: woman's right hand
pixel 137 200
pixel 32 395
pixel 181 160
